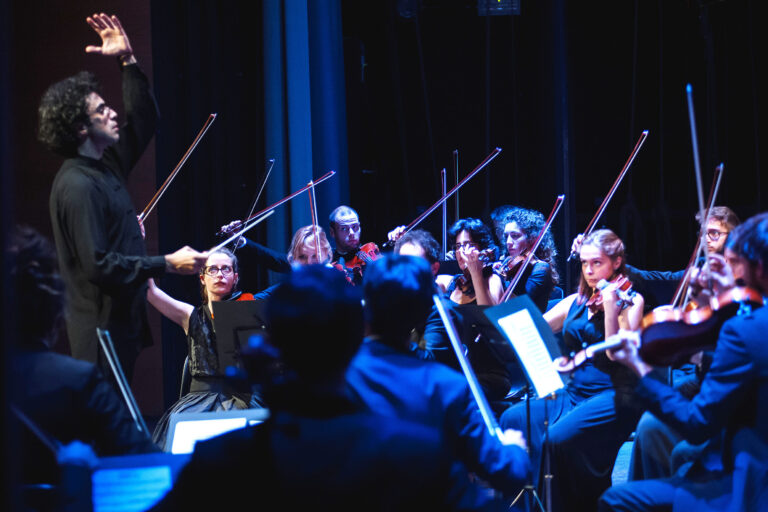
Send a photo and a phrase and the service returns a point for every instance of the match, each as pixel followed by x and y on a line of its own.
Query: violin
pixel 672 335
pixel 624 292
pixel 509 266
pixel 354 267
pixel 464 281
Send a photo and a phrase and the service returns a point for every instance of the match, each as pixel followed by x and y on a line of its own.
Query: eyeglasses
pixel 714 234
pixel 212 271
pixel 464 246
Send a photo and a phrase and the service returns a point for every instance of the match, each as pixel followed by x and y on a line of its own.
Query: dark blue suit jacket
pixel 731 410
pixel 395 383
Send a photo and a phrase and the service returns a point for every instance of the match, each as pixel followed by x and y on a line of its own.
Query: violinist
pixel 349 254
pixel 591 419
pixel 520 227
pixel 475 253
pixel 208 390
pixel 729 412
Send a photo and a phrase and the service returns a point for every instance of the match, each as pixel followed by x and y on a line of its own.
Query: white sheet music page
pixel 532 351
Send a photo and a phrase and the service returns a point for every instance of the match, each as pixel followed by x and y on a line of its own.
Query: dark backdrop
pixel 565 89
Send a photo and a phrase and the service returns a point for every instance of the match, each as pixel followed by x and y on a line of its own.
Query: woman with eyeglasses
pixel 208 390
pixel 475 252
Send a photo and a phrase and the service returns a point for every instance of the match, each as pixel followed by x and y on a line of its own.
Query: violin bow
pixel 443 190
pixel 682 287
pixel 263 184
pixel 313 212
pixel 287 198
pixel 609 196
pixel 474 385
pixel 153 202
pixel 515 280
pixel 456 173
pixel 445 197
pixel 256 200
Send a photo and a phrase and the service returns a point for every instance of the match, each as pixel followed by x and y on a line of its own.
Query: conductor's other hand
pixel 185 261
pixel 114 40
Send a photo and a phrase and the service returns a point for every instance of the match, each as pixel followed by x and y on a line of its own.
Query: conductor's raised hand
pixel 114 40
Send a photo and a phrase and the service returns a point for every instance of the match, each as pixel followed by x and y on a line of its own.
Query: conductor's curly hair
pixel 63 112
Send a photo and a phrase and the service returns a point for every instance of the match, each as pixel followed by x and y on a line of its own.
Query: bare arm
pixel 174 310
pixel 555 317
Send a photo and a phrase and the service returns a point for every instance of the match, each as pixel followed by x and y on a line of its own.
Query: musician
pixel 101 252
pixel 318 449
pixel 388 379
pixel 66 398
pixel 475 252
pixel 208 389
pixel 593 416
pixel 520 228
pixel 491 368
pixel 729 412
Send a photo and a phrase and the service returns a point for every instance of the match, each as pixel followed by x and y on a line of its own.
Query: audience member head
pixel 63 113
pixel 421 243
pixel 602 257
pixel 303 251
pixel 398 293
pixel 315 320
pixel 39 291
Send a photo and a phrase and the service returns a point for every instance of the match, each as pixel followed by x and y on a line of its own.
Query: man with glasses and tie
pixel 99 242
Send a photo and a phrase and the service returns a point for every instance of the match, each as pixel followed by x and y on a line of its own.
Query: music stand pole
pixel 529 490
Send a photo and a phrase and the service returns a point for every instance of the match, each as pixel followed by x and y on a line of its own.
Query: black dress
pixel 588 421
pixel 209 390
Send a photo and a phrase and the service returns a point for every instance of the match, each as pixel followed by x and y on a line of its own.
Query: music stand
pixel 521 323
pixel 479 327
pixel 234 323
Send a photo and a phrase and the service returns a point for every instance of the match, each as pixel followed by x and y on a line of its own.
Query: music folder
pixel 235 322
pixel 523 326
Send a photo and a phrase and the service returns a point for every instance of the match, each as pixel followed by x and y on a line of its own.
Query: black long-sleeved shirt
pixel 102 256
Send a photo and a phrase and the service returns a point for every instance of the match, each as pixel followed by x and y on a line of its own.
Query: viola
pixel 624 292
pixel 672 335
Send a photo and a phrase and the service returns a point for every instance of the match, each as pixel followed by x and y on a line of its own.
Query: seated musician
pixel 319 450
pixel 389 380
pixel 520 227
pixel 208 389
pixel 729 411
pixel 594 415
pixel 475 252
pixel 490 366
pixel 67 399
pixel 658 448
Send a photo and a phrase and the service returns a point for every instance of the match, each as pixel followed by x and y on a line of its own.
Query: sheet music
pixel 532 351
